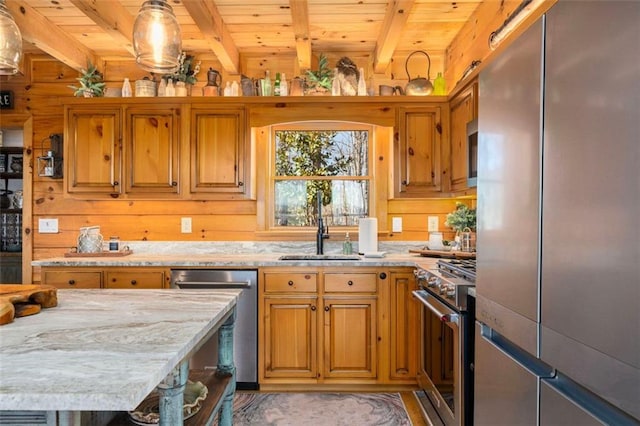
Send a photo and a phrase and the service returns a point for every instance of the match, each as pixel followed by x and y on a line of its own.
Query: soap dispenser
pixel 347 247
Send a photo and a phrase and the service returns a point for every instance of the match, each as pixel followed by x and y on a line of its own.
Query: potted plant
pixel 91 83
pixel 461 218
pixel 187 72
pixel 319 81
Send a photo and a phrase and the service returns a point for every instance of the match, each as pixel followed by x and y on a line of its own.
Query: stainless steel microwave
pixel 472 153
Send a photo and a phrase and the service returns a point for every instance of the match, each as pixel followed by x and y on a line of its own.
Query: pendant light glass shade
pixel 10 43
pixel 156 38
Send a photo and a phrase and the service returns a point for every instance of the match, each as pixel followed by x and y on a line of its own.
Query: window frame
pixel 319 125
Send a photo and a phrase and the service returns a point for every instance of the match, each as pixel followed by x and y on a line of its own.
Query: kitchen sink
pixel 319 257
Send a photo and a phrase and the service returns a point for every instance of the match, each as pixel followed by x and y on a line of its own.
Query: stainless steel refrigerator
pixel 558 261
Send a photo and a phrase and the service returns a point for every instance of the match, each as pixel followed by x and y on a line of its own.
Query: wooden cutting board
pixel 20 300
pixel 446 254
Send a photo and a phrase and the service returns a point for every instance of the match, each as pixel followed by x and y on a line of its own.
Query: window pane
pixel 343 202
pixel 322 152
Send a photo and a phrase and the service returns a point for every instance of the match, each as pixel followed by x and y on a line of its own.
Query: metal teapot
pixel 418 86
pixel 214 81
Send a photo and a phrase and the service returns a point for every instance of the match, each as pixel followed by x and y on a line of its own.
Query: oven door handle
pixel 449 316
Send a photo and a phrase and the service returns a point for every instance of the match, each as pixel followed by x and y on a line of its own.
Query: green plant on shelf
pixel 461 218
pixel 91 83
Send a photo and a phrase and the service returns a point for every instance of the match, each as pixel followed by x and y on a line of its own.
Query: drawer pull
pixel 290 282
pixel 72 282
pixel 349 282
pixel 134 282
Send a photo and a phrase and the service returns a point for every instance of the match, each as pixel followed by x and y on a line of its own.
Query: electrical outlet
pixel 48 226
pixel 432 224
pixel 185 225
pixel 396 224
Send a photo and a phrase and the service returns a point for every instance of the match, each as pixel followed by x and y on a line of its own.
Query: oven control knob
pixel 451 293
pixel 432 281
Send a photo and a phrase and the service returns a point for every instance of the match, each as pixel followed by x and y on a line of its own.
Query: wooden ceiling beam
pixel 39 31
pixel 300 20
pixel 112 17
pixel 215 32
pixel 392 26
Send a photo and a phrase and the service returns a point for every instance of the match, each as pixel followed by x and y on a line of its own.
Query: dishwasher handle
pixel 213 284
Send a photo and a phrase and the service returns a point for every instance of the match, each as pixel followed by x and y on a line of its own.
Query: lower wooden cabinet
pixel 334 326
pixel 404 322
pixel 135 278
pixel 89 277
pixel 72 278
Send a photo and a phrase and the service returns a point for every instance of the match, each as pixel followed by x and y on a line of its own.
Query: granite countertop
pixel 103 349
pixel 234 261
pixel 239 255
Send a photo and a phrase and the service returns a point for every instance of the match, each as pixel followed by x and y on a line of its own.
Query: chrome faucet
pixel 323 231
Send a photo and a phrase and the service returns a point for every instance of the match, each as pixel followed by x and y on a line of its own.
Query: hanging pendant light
pixel 156 38
pixel 10 43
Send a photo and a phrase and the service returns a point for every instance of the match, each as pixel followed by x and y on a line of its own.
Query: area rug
pixel 319 409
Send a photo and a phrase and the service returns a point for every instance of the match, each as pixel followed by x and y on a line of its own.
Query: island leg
pixel 226 367
pixel 172 395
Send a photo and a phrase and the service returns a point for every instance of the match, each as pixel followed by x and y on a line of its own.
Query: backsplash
pixel 245 247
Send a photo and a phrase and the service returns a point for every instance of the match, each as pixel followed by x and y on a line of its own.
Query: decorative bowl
pixel 148 412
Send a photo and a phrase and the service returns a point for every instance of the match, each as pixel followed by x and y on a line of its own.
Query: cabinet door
pixel 135 279
pixel 152 150
pixel 218 154
pixel 463 110
pixel 418 152
pixel 350 343
pixel 405 326
pixel 290 328
pixel 72 278
pixel 92 150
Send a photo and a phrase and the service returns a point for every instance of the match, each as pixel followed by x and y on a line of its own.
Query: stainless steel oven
pixel 445 372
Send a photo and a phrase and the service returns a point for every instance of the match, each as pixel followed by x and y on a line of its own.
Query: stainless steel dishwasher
pixel 245 338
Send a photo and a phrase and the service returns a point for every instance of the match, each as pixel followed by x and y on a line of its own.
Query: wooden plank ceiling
pixel 74 31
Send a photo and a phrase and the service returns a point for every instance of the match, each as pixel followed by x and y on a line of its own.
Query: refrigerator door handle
pixel 523 358
pixel 595 406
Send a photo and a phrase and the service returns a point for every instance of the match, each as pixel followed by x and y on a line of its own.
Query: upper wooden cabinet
pixel 418 152
pixel 464 109
pixel 111 151
pixel 152 148
pixel 93 150
pixel 218 154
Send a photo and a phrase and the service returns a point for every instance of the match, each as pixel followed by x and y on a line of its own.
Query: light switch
pixel 396 224
pixel 185 225
pixel 432 224
pixel 48 226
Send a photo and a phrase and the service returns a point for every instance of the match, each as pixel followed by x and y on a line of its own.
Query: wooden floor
pixel 413 408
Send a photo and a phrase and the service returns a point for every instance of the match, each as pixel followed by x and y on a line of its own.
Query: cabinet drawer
pixel 351 283
pixel 287 282
pixel 72 279
pixel 135 279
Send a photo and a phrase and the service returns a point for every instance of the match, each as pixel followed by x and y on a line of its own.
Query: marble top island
pixel 104 350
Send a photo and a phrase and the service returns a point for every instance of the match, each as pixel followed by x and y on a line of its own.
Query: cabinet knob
pixel 383 275
pixel 313 308
pixel 349 282
pixel 134 282
pixel 240 183
pixel 72 282
pixel 174 183
pixel 290 282
pixel 326 309
pixel 116 183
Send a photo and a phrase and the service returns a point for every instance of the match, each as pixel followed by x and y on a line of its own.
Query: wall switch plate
pixel 48 226
pixel 185 225
pixel 396 224
pixel 432 224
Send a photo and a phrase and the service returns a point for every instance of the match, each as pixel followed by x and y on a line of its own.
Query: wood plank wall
pixel 41 92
